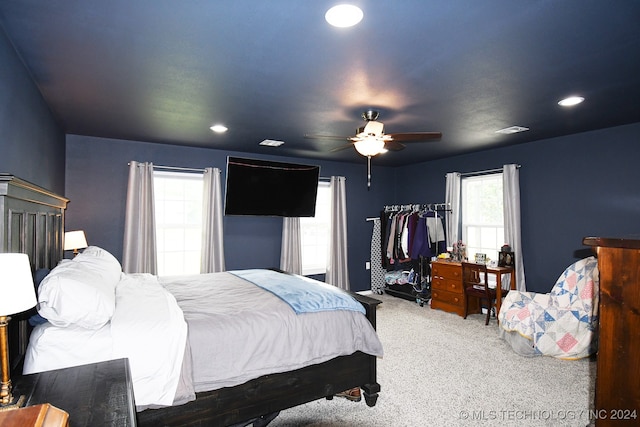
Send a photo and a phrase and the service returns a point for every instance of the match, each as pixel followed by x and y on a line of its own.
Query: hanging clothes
pixel 437 236
pixel 421 246
pixel 376 267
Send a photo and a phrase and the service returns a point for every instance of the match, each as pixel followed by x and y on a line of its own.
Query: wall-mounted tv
pixel 267 188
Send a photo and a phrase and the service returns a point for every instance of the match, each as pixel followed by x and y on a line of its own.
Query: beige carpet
pixel 441 370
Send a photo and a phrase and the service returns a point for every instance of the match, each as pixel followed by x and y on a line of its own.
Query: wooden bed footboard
pixel 271 394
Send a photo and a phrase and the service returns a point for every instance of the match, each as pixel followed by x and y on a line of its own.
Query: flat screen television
pixel 268 188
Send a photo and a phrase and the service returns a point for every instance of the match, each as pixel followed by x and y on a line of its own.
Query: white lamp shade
pixel 74 240
pixel 369 146
pixel 17 292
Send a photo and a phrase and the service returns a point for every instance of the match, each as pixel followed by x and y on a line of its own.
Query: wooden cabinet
pixel 97 394
pixel 43 415
pixel 447 292
pixel 618 360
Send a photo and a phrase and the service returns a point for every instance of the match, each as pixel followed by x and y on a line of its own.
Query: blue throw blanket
pixel 303 295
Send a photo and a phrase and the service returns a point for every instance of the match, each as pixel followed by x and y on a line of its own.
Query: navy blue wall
pixel 31 142
pixel 97 183
pixel 571 187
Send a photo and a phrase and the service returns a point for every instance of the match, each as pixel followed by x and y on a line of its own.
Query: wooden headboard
pixel 31 222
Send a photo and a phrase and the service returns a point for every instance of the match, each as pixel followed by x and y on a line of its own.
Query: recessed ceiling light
pixel 271 143
pixel 512 129
pixel 571 101
pixel 219 128
pixel 344 15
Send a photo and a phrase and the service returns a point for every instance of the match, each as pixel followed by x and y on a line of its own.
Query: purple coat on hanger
pixel 420 245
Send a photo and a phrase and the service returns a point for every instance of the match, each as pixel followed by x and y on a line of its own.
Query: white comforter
pixel 236 332
pixel 147 327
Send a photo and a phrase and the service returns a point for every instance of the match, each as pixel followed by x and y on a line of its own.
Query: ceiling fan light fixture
pixel 344 15
pixel 369 147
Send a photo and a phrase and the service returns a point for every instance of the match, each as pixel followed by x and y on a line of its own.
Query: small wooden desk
pixel 447 292
pixel 499 271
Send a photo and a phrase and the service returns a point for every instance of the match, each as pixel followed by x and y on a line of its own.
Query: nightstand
pixel 98 394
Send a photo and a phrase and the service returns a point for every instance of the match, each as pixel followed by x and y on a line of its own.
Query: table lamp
pixel 74 240
pixel 17 294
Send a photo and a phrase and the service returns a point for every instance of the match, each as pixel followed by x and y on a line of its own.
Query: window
pixel 178 205
pixel 315 233
pixel 482 215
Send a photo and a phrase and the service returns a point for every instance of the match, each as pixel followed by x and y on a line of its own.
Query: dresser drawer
pixel 446 271
pixel 447 297
pixel 455 286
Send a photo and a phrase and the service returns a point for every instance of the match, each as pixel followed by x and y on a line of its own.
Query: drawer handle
pixel 456 300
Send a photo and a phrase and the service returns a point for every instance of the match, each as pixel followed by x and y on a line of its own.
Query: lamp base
pixel 15 403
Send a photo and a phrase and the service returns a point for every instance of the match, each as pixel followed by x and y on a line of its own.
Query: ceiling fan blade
pixel 393 146
pixel 415 136
pixel 331 137
pixel 342 147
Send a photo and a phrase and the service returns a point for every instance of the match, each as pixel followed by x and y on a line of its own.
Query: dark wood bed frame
pixel 32 222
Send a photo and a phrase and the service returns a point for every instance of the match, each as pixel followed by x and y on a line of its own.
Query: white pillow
pixel 101 262
pixel 81 291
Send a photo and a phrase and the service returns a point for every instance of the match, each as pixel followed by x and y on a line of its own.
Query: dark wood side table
pixel 98 394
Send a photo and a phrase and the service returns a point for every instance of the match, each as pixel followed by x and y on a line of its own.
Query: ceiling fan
pixel 371 140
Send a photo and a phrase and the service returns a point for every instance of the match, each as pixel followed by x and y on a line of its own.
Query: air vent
pixel 272 143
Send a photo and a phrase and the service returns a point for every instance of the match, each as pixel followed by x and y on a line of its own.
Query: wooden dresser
pixel 618 360
pixel 447 292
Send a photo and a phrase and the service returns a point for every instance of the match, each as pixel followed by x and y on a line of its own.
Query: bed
pixel 249 394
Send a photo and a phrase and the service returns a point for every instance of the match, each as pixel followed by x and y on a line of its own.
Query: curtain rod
pixel 175 168
pixel 178 168
pixel 484 172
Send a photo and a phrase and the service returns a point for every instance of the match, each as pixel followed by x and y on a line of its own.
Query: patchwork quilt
pixel 562 323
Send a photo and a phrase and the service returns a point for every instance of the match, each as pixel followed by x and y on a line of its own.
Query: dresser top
pixel 628 242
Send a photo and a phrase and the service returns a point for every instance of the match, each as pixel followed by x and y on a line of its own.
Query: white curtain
pixel 139 246
pixel 337 268
pixel 511 194
pixel 452 199
pixel 291 250
pixel 212 218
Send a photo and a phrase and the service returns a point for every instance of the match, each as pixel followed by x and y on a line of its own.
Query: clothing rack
pixel 418 281
pixel 434 207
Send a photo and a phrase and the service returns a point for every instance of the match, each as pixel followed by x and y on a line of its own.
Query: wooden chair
pixel 475 281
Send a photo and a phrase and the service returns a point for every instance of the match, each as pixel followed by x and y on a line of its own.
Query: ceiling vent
pixel 271 143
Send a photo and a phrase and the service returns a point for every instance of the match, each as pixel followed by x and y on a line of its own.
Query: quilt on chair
pixel 562 323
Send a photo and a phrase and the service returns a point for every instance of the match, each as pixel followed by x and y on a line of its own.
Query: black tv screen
pixel 267 188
